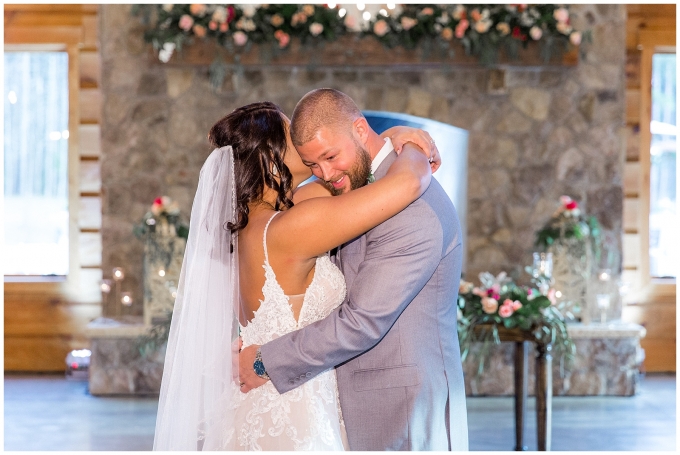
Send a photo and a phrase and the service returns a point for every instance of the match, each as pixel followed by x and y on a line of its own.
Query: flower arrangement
pixel 482 29
pixel 162 219
pixel 499 302
pixel 569 223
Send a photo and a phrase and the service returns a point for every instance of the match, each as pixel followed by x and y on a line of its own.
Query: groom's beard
pixel 358 174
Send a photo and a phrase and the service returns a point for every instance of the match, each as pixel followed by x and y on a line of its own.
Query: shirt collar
pixel 382 154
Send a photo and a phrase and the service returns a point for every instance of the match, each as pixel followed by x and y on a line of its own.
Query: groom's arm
pixel 401 256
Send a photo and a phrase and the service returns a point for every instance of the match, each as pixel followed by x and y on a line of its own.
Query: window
pixel 663 221
pixel 36 135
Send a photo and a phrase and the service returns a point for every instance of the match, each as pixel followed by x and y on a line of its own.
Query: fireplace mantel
pixel 362 52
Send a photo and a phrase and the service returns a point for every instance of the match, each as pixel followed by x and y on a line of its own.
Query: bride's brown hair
pixel 257 135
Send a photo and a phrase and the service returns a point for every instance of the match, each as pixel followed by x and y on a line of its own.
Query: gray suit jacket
pixel 394 339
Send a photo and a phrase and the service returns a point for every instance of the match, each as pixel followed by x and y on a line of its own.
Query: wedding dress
pixel 200 406
pixel 308 417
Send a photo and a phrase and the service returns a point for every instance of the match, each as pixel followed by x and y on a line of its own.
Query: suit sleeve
pixel 401 256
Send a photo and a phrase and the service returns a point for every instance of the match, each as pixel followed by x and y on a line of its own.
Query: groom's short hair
pixel 322 107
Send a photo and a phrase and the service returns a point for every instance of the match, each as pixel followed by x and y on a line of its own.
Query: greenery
pixel 482 29
pixel 499 302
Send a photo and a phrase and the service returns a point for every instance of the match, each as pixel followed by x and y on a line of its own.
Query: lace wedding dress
pixel 308 417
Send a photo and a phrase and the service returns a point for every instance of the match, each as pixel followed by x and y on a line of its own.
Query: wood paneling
pixel 90 215
pixel 90 141
pixel 649 28
pixel 631 215
pixel 43 321
pixel 90 105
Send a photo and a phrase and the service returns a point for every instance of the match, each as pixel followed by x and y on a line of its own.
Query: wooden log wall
pixel 650 303
pixel 44 320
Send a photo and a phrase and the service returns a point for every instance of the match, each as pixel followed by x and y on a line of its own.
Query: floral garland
pixel 482 29
pixel 499 302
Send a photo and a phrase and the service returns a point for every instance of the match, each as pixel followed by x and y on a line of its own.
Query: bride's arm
pixel 322 223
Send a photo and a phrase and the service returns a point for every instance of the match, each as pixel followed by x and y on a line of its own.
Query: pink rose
pixel 240 38
pixel 505 311
pixel 408 22
pixel 212 25
pixel 199 31
pixel 197 9
pixel 516 305
pixel 475 14
pixel 186 22
pixel 464 287
pixel 427 11
pixel 461 27
pixel 299 18
pixel 350 22
pixel 575 38
pixel 561 15
pixel 564 200
pixel 380 28
pixel 224 27
pixel 551 296
pixel 282 37
pixel 489 305
pixel 535 33
pixel 507 302
pixel 316 29
pixel 479 292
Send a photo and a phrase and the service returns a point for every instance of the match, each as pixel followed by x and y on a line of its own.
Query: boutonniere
pixel 371 178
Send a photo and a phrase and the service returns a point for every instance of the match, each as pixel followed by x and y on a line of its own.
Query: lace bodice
pixel 275 315
pixel 305 418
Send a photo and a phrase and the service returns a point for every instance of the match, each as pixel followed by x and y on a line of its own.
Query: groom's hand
pixel 247 377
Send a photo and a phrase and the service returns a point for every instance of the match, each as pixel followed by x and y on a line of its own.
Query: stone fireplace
pixel 535 131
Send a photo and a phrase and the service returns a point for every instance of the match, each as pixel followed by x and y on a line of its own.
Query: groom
pixel 394 339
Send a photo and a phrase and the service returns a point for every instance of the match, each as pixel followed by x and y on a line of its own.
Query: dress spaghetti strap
pixel 264 239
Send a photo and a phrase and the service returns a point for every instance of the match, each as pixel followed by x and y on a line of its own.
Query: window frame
pixel 62 39
pixel 650 42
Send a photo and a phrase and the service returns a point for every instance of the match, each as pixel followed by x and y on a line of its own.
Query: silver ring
pixel 432 141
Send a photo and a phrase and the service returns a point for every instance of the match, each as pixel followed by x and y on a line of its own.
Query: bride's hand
pixel 399 135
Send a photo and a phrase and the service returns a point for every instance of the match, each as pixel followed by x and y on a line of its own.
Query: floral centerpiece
pixel 569 223
pixel 499 302
pixel 162 219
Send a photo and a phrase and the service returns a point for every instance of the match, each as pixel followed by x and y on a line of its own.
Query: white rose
pixel 535 33
pixel 483 26
pixel 248 10
pixel 168 7
pixel 316 29
pixel 575 38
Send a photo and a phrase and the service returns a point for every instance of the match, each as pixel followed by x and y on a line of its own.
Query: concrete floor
pixel 51 413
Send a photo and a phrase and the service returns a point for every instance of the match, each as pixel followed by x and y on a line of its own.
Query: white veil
pixel 195 409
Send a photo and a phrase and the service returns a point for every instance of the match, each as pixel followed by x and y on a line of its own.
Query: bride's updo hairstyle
pixel 257 134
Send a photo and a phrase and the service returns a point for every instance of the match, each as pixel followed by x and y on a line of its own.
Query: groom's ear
pixel 361 130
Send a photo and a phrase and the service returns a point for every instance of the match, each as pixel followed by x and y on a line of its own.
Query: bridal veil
pixel 195 409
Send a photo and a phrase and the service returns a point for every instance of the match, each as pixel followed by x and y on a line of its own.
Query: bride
pixel 282 280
